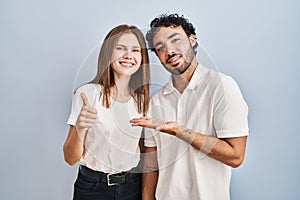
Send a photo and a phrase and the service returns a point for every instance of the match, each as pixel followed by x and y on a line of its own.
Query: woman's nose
pixel 127 55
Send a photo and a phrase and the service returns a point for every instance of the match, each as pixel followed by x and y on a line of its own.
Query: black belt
pixel 109 178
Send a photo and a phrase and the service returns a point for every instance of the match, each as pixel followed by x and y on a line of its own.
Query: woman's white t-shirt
pixel 112 144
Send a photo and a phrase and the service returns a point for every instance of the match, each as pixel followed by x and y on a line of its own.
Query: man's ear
pixel 193 39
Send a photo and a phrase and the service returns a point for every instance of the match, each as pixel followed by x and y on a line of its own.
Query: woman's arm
pixel 73 146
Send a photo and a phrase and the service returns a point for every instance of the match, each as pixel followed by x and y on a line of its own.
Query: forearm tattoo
pixel 189 135
pixel 186 134
pixel 185 131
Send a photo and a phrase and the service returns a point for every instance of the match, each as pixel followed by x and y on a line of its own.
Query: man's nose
pixel 170 50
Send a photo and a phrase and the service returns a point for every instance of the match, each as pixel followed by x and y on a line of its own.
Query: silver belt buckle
pixel 108 180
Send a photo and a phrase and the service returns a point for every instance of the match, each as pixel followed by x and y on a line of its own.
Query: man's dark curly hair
pixel 167 21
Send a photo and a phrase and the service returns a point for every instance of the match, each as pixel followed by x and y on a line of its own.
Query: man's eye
pixel 160 49
pixel 175 40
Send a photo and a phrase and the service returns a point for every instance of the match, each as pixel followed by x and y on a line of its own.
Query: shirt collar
pixel 169 87
pixel 197 77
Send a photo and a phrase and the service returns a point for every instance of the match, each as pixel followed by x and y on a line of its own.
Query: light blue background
pixel 43 44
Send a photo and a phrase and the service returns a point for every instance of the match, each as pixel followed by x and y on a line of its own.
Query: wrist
pixel 81 132
pixel 186 134
pixel 177 130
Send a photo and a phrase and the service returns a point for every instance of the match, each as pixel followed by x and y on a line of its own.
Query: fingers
pixel 85 121
pixel 169 127
pixel 148 122
pixel 88 112
pixel 86 108
pixel 87 116
pixel 84 124
pixel 84 99
pixel 143 121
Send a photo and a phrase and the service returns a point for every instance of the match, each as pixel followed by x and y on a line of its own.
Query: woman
pixel 100 136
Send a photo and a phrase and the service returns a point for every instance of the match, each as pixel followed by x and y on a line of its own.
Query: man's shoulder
pixel 213 77
pixel 159 93
pixel 211 74
pixel 219 83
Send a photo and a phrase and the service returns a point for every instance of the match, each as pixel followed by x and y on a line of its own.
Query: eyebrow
pixel 170 37
pixel 122 45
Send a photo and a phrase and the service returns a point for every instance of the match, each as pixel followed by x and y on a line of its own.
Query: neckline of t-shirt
pixel 98 87
pixel 120 102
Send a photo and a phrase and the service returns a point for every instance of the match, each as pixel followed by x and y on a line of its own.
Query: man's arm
pixel 150 173
pixel 229 151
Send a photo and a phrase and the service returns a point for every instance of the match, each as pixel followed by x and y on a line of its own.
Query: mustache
pixel 171 56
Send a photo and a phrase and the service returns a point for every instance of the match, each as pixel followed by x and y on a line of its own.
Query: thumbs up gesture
pixel 87 115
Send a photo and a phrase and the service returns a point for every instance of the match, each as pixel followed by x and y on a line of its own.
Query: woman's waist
pixel 108 164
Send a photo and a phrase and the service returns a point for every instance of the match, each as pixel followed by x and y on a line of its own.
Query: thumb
pixel 84 99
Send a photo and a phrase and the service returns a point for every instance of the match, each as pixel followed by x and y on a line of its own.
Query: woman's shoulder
pixel 91 91
pixel 89 88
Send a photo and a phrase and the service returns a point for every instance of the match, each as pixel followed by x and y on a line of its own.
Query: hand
pixel 87 115
pixel 157 124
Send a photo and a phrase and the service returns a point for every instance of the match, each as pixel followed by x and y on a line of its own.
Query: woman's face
pixel 126 56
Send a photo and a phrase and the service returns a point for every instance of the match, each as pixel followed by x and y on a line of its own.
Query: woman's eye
pixel 120 48
pixel 136 50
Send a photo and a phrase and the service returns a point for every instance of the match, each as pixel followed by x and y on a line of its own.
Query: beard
pixel 188 58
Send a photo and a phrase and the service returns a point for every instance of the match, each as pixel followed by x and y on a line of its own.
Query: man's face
pixel 174 49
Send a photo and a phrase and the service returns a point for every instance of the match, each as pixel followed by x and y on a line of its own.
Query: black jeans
pixel 86 188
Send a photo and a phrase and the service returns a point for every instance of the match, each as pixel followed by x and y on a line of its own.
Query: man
pixel 198 126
